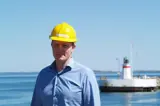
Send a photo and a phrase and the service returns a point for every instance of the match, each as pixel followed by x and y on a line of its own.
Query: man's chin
pixel 60 59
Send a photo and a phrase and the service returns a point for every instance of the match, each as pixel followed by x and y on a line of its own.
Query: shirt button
pixel 55 100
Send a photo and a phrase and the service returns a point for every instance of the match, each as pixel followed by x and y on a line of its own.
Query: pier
pixel 128 83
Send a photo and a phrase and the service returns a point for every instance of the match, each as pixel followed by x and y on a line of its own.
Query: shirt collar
pixel 71 63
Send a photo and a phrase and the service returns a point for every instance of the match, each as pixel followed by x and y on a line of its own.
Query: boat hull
pixel 126 89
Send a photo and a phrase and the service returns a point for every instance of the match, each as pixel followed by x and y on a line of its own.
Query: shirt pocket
pixel 74 93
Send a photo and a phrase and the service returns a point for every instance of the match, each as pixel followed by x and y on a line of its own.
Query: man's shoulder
pixel 84 68
pixel 44 70
pixel 87 73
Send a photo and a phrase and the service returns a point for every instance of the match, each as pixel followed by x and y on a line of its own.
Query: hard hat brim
pixel 62 39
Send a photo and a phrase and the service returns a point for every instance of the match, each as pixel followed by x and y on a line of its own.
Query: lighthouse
pixel 126 69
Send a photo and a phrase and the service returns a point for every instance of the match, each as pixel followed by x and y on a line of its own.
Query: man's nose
pixel 60 47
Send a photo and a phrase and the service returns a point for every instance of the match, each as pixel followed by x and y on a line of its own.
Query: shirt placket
pixel 55 101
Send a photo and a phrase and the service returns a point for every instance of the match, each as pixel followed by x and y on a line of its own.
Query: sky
pixel 107 31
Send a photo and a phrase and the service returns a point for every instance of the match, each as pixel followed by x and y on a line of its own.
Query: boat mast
pixel 131 58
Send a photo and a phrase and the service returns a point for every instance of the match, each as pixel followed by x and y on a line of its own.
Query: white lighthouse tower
pixel 126 71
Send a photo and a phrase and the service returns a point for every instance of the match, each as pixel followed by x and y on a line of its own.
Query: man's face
pixel 62 50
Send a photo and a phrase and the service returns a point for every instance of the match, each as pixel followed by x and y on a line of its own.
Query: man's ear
pixel 74 45
pixel 51 42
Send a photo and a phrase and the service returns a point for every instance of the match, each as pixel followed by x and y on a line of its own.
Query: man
pixel 65 82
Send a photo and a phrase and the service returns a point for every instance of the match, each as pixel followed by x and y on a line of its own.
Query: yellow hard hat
pixel 63 32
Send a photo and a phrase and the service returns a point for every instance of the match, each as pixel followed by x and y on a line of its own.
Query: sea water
pixel 16 89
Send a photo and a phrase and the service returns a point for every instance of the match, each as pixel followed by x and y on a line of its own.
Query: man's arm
pixel 91 92
pixel 36 100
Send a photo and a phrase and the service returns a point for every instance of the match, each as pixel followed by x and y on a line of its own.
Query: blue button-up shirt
pixel 76 85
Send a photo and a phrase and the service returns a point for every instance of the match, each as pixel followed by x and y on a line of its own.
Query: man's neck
pixel 60 65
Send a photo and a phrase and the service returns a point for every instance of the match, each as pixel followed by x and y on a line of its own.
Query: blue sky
pixel 105 30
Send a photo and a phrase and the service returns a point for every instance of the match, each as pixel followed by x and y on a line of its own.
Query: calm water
pixel 16 90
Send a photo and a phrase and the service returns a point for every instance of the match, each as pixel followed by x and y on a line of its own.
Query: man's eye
pixel 56 45
pixel 65 46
